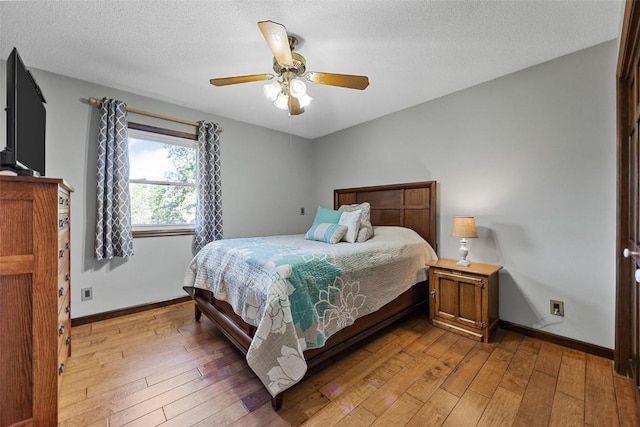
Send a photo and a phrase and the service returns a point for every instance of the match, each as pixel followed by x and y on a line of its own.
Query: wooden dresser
pixel 35 304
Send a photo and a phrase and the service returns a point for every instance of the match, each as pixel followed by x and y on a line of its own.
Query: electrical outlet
pixel 86 294
pixel 301 211
pixel 557 308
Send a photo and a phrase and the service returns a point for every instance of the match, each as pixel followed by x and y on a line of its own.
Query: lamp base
pixel 463 251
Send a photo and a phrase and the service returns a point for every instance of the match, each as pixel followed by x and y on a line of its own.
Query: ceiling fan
pixel 288 92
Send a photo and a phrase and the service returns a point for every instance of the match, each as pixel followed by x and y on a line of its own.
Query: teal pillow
pixel 325 215
pixel 325 232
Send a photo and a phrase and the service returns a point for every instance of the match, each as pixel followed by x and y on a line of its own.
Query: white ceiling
pixel 412 51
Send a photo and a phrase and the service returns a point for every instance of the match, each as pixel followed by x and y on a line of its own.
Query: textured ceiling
pixel 412 51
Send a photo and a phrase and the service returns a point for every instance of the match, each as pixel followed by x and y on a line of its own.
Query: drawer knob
pixel 61 200
pixel 433 293
pixel 61 369
pixel 60 292
pixel 67 277
pixel 60 253
pixel 66 202
pixel 61 223
pixel 67 341
pixel 68 309
pixel 66 220
pixel 61 330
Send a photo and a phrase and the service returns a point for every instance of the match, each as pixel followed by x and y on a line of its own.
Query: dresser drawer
pixel 63 263
pixel 65 340
pixel 64 307
pixel 64 250
pixel 63 354
pixel 64 282
pixel 64 221
pixel 64 324
pixel 64 200
pixel 64 337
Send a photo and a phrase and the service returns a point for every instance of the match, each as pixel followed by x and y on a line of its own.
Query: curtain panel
pixel 208 225
pixel 114 237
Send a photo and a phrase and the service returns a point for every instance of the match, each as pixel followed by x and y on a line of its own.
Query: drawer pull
pixel 61 223
pixel 66 202
pixel 66 220
pixel 66 245
pixel 60 253
pixel 67 277
pixel 433 293
pixel 61 369
pixel 68 308
pixel 60 292
pixel 67 341
pixel 61 330
pixel 61 200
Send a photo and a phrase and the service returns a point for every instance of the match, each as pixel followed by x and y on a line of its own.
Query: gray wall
pixel 532 156
pixel 265 181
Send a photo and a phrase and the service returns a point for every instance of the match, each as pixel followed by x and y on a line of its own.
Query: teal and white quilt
pixel 298 292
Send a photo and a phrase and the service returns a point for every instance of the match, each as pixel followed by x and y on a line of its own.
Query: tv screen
pixel 26 121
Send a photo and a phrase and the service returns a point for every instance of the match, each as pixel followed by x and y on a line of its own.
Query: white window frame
pixel 154 230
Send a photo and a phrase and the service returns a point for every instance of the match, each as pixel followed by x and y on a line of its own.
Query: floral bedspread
pixel 299 292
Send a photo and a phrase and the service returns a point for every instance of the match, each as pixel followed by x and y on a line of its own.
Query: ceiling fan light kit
pixel 290 91
pixel 271 90
pixel 297 88
pixel 281 102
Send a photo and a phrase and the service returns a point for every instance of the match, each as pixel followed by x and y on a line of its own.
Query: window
pixel 162 181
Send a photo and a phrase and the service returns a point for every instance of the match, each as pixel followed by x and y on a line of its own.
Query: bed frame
pixel 411 205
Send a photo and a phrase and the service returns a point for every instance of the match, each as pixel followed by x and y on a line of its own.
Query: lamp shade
pixel 464 226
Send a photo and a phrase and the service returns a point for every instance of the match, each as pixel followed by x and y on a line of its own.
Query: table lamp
pixel 464 227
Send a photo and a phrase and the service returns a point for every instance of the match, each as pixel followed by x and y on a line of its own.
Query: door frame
pixel 627 57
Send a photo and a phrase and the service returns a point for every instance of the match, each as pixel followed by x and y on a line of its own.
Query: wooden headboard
pixel 412 205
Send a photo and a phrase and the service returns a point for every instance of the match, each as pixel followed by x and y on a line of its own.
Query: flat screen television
pixel 24 153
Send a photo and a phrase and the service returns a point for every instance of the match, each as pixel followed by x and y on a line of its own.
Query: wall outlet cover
pixel 556 308
pixel 86 294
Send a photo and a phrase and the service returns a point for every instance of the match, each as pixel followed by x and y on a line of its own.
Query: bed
pixel 411 206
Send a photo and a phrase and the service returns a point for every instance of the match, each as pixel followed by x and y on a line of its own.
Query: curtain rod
pixel 96 101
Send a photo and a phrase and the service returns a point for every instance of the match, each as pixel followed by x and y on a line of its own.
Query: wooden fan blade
pixel 224 81
pixel 342 80
pixel 276 36
pixel 294 106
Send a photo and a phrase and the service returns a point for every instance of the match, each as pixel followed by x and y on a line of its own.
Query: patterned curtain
pixel 209 187
pixel 113 216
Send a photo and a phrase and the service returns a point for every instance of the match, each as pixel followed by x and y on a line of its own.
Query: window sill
pixel 162 232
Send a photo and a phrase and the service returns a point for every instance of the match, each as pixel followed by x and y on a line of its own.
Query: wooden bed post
pixel 276 402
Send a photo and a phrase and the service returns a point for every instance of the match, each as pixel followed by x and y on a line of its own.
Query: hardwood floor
pixel 160 367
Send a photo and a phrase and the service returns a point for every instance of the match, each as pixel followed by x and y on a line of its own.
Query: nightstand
pixel 464 300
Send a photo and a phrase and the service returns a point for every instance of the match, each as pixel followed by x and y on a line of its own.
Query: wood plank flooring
pixel 160 367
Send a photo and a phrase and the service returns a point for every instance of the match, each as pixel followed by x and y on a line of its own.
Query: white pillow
pixel 366 229
pixel 352 221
